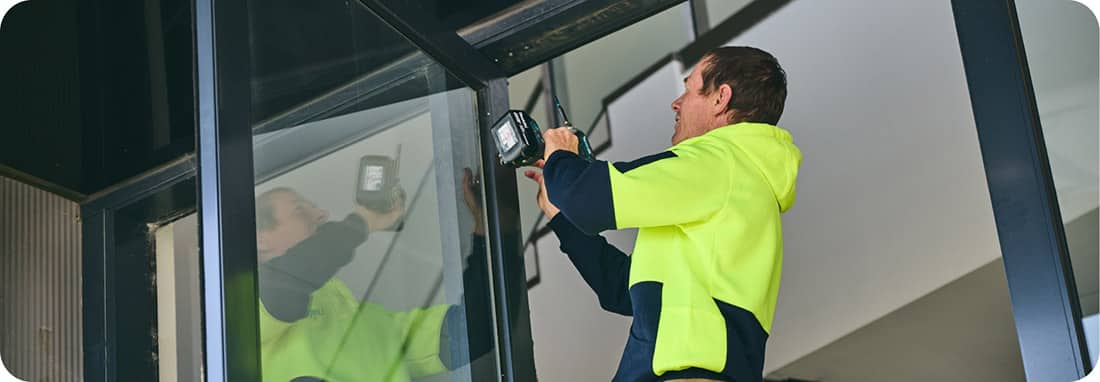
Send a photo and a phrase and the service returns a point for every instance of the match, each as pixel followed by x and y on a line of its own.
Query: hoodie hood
pixel 773 152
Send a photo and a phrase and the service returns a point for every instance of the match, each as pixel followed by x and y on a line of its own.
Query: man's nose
pixel 676 105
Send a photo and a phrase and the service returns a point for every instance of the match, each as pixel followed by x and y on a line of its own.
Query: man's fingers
pixel 533 175
pixel 539 163
pixel 556 132
pixel 559 136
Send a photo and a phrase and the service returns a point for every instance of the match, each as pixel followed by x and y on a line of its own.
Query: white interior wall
pixel 719 10
pixel 892 199
pixel 167 348
pixel 179 308
pixel 595 70
pixel 963 331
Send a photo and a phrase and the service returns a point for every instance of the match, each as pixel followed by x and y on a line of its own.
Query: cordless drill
pixel 519 139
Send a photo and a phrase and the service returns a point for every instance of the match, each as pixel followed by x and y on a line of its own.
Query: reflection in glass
pixel 356 294
pixel 369 218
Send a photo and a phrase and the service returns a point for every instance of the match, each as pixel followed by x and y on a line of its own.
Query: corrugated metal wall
pixel 40 308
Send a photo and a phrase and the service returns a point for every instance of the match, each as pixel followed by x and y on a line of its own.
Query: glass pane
pixel 529 91
pixel 370 229
pixel 523 91
pixel 1060 38
pixel 179 310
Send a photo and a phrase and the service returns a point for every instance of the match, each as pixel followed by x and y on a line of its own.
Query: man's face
pixel 696 114
pixel 296 219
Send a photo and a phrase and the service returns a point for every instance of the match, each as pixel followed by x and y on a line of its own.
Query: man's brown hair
pixel 759 84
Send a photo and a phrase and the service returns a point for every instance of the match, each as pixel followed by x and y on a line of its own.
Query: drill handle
pixel 584 149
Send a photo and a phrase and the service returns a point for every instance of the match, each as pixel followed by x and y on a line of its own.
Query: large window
pixel 370 226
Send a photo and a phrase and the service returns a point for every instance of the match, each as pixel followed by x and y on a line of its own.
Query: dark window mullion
pixel 1025 206
pixel 226 205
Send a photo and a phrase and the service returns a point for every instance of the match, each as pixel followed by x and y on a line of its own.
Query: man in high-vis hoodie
pixel 702 281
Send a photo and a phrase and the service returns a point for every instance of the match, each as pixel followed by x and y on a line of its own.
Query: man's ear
pixel 722 96
pixel 263 241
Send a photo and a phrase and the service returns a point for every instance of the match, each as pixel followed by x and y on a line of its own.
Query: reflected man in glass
pixel 311 325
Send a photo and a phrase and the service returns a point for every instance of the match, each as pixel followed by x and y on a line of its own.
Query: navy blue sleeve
pixel 581 190
pixel 601 265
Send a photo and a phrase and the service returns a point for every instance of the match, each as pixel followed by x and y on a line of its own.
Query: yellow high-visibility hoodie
pixel 704 275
